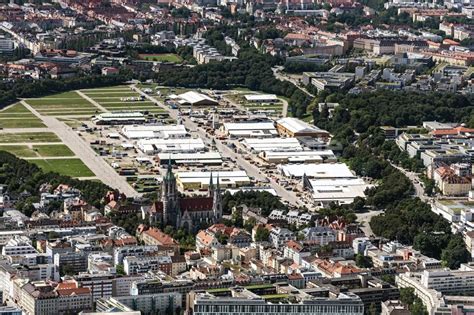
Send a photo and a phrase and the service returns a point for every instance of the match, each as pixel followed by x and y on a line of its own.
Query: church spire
pixel 169 172
pixel 210 189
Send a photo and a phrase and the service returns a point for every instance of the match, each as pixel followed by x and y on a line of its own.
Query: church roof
pixel 187 204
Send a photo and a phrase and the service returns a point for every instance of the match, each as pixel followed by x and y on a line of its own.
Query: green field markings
pixel 75 112
pixel 111 105
pixel 69 95
pixel 49 150
pixel 107 88
pixel 22 151
pixel 51 102
pixel 25 137
pixel 161 57
pixel 111 94
pixel 68 167
pixel 15 109
pixel 21 123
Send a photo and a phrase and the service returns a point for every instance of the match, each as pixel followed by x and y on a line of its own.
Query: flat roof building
pixel 206 158
pixel 261 98
pixel 272 144
pixel 181 145
pixel 119 118
pixel 293 127
pixel 154 131
pixel 249 130
pixel 319 156
pixel 200 180
pixel 319 171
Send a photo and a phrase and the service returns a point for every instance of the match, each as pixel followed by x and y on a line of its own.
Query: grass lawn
pixel 29 137
pixel 126 104
pixel 69 167
pixel 15 109
pixel 21 123
pixel 70 94
pixel 162 57
pixel 19 150
pixel 108 88
pixel 75 112
pixel 59 101
pixel 49 150
pixel 123 93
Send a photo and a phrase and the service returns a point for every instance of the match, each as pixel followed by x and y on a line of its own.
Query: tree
pixel 262 234
pixel 363 261
pixel 407 296
pixel 119 269
pixel 455 253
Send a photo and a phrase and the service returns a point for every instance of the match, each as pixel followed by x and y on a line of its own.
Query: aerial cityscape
pixel 236 157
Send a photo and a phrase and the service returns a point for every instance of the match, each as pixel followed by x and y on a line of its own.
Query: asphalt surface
pixel 89 157
pixel 102 108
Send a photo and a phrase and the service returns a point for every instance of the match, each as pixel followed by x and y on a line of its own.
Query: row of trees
pixel 24 179
pixel 10 91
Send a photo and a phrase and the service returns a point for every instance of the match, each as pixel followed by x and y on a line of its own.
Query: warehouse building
pixel 249 130
pixel 328 183
pixel 320 156
pixel 199 158
pixel 196 99
pixel 272 144
pixel 154 131
pixel 200 180
pixel 182 145
pixel 327 171
pixel 119 118
pixel 339 190
pixel 293 127
pixel 261 98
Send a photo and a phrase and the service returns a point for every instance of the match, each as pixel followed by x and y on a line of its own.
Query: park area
pixel 162 57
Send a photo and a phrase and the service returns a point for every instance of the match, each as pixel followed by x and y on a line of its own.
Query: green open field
pixel 162 57
pixel 45 150
pixel 71 94
pixel 19 150
pixel 33 137
pixel 21 123
pixel 111 94
pixel 18 116
pixel 53 150
pixel 69 167
pixel 46 101
pixel 108 88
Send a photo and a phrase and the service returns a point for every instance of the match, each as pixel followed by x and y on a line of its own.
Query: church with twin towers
pixel 186 212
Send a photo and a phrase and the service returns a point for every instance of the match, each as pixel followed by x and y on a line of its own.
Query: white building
pixel 317 171
pixel 272 144
pixel 261 98
pixel 280 236
pixel 200 180
pixel 319 156
pixel 18 245
pixel 181 145
pixel 154 131
pixel 249 130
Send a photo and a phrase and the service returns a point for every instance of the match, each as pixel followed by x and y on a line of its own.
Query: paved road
pixel 92 101
pixel 82 150
pixel 364 220
pixel 251 170
pixel 419 190
pixel 281 77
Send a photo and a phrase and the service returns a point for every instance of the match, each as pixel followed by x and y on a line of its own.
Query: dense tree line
pixel 259 199
pixel 398 109
pixel 10 91
pixel 299 67
pixel 19 177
